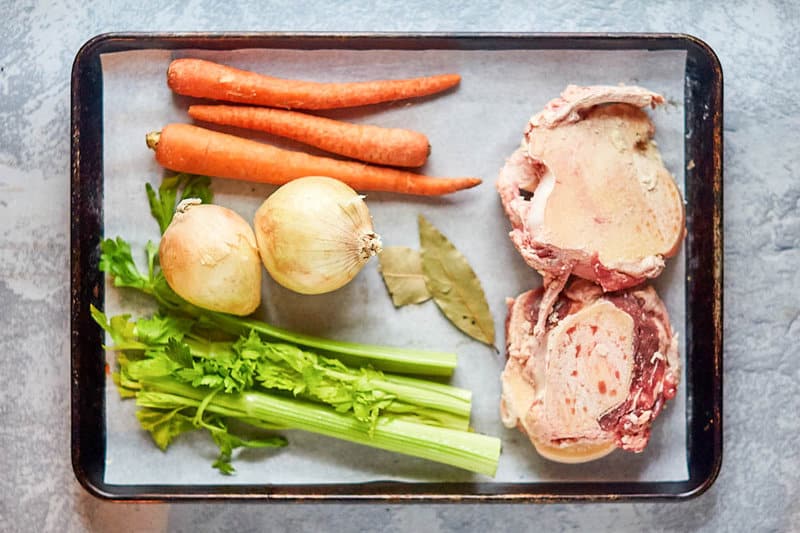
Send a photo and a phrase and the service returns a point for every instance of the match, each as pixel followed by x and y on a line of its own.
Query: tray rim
pixel 86 100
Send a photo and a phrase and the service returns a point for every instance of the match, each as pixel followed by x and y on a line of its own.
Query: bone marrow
pixel 597 377
pixel 590 363
pixel 588 190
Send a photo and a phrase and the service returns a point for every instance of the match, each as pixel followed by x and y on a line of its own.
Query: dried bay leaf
pixel 453 284
pixel 401 268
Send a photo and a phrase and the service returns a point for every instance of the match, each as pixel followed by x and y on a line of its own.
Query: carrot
pixel 187 148
pixel 384 146
pixel 205 79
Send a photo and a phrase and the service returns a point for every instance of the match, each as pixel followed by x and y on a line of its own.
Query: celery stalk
pixel 414 391
pixel 386 358
pixel 469 451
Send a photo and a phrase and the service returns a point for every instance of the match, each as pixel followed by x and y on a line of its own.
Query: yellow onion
pixel 315 234
pixel 210 258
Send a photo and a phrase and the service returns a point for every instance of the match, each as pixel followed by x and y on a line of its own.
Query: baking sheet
pixel 472 130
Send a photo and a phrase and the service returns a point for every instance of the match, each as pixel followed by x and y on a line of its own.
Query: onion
pixel 315 234
pixel 209 257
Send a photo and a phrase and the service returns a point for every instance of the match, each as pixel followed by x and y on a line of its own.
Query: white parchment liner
pixel 472 130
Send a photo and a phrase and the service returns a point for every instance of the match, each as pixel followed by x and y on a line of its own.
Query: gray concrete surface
pixel 759 487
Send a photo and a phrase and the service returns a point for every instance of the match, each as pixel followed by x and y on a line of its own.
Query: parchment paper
pixel 472 130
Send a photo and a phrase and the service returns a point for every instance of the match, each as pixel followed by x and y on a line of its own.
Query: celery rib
pixel 426 397
pixel 469 451
pixel 418 392
pixel 385 358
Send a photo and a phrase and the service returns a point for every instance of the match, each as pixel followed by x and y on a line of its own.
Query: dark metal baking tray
pixel 703 117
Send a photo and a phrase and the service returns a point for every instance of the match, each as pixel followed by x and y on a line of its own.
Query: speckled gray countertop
pixel 757 42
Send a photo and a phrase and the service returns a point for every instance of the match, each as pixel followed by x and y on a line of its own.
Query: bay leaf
pixel 401 268
pixel 453 284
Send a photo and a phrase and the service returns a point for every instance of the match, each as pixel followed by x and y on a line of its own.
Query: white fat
pixel 636 398
pixel 656 356
pixel 539 201
pixel 649 267
pixel 673 359
pixel 641 419
pixel 648 179
pixel 518 394
pixel 647 165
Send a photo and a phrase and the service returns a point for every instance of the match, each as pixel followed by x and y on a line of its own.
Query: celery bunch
pixel 185 381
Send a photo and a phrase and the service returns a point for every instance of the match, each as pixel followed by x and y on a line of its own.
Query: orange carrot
pixel 187 148
pixel 383 146
pixel 205 79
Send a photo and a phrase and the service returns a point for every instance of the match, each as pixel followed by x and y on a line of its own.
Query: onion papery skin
pixel 315 234
pixel 209 256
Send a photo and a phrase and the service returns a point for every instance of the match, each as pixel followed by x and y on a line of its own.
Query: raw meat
pixel 587 192
pixel 597 376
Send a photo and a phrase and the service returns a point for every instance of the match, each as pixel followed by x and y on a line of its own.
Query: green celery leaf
pixel 122 377
pixel 120 328
pixel 322 379
pixel 274 377
pixel 251 347
pixel 163 425
pixel 240 375
pixel 191 375
pixel 179 353
pixel 154 367
pixel 211 381
pixel 161 400
pixel 223 464
pixel 197 187
pixel 163 202
pixel 117 261
pixel 161 329
pixel 99 317
pixel 122 388
pixel 227 442
pixel 152 258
